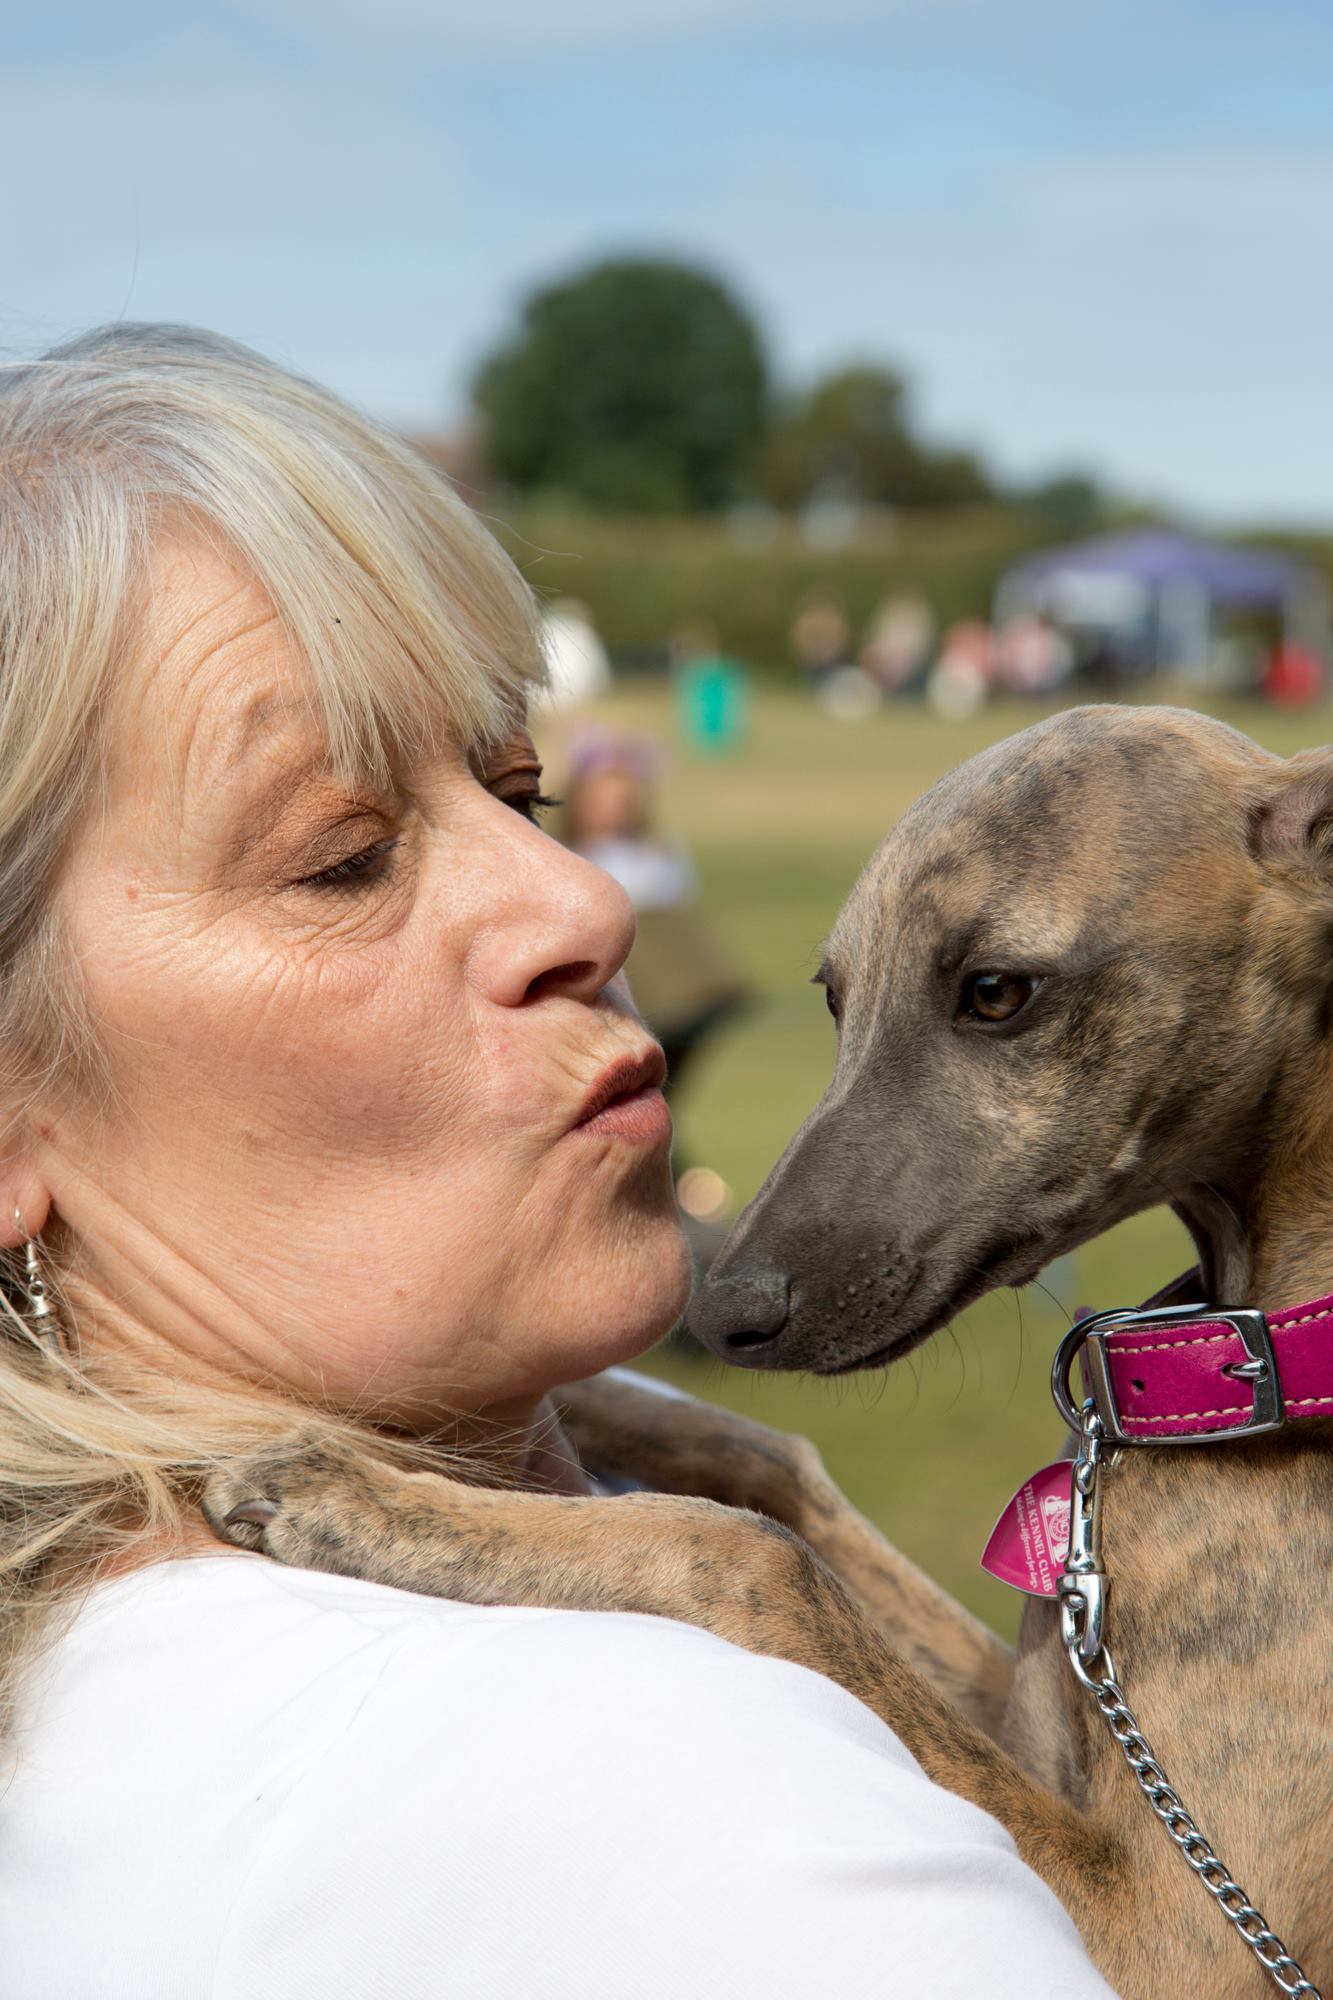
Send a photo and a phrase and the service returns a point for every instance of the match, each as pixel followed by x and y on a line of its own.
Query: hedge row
pixel 647 580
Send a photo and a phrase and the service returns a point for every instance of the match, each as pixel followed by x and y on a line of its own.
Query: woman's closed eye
pixel 371 864
pixel 357 871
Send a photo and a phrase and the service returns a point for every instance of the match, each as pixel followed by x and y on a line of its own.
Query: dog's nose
pixel 732 1314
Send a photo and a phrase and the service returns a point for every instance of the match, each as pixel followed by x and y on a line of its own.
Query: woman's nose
pixel 564 929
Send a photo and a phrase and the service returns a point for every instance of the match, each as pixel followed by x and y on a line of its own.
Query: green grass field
pixel 932 1450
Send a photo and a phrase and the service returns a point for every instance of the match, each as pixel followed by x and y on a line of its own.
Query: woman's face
pixel 355 1038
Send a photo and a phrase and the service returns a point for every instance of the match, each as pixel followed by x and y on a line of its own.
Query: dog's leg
pixel 744 1576
pixel 677 1445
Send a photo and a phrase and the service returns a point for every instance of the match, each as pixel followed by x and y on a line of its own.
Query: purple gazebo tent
pixel 1166 587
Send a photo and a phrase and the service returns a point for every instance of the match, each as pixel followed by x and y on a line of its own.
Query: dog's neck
pixel 1267 1240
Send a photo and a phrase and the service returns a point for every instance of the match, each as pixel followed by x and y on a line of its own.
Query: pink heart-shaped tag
pixel 1029 1542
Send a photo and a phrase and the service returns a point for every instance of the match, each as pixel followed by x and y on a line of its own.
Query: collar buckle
pixel 1087 1341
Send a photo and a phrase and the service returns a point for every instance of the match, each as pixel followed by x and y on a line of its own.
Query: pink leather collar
pixel 1194 1374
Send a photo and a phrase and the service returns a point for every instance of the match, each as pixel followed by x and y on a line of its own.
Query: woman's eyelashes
pixel 357 871
pixel 521 791
pixel 533 804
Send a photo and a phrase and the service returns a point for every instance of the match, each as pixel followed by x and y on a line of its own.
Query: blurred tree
pixel 1071 503
pixel 852 436
pixel 952 479
pixel 635 385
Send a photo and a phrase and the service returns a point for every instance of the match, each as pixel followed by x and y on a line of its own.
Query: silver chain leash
pixel 1082 1617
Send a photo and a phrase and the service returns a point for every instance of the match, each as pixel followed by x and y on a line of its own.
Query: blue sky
pixel 1100 235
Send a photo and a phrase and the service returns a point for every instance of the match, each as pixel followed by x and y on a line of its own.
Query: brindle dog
pixel 1090 971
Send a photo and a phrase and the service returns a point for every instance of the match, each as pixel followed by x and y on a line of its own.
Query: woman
pixel 322 1097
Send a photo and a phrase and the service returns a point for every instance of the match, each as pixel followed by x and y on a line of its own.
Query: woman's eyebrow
pixel 259 719
pixel 254 723
pixel 251 778
pixel 257 761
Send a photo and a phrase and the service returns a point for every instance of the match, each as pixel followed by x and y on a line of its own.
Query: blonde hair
pixel 412 624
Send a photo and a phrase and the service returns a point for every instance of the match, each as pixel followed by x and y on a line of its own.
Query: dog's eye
pixel 996 996
pixel 831 1002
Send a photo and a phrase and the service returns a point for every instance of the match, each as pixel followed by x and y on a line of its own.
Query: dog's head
pixel 1077 979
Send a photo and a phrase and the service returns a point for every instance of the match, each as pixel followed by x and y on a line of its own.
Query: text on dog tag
pixel 1028 1543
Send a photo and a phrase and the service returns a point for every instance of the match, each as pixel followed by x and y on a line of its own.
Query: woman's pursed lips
pixel 626 1102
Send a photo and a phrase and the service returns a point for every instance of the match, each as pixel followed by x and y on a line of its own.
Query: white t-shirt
pixel 250 1783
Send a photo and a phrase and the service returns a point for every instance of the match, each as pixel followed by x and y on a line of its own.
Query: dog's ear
pixel 1292 821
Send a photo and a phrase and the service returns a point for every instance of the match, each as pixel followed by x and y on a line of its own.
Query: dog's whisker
pixel 1018 1366
pixel 954 1342
pixel 1058 1303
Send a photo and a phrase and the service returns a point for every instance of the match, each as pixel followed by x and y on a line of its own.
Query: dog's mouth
pixel 1011 1263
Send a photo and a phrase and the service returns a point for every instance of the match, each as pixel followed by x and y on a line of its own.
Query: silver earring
pixel 39 1313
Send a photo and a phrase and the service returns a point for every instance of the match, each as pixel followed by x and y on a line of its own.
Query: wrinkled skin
pixel 349 1025
pixel 1133 863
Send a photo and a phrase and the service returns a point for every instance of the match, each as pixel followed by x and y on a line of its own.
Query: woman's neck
pixel 517 1442
pixel 520 1444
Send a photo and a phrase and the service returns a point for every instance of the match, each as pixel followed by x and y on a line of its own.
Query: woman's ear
pixel 1293 821
pixel 25 1203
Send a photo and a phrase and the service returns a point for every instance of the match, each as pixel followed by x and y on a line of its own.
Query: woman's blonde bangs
pixel 414 626
pixel 412 622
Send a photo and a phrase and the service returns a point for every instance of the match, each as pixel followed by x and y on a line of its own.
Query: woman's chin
pixel 623 1310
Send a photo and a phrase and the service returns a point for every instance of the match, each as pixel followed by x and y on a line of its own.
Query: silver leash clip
pixel 1083 1582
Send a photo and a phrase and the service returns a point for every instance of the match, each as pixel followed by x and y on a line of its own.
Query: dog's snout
pixel 737 1316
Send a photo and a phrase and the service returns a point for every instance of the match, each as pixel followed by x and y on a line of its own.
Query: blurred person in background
pixel 684 983
pixel 959 683
pixel 820 637
pixel 712 691
pixel 896 650
pixel 577 663
pixel 1294 675
pixel 1031 657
